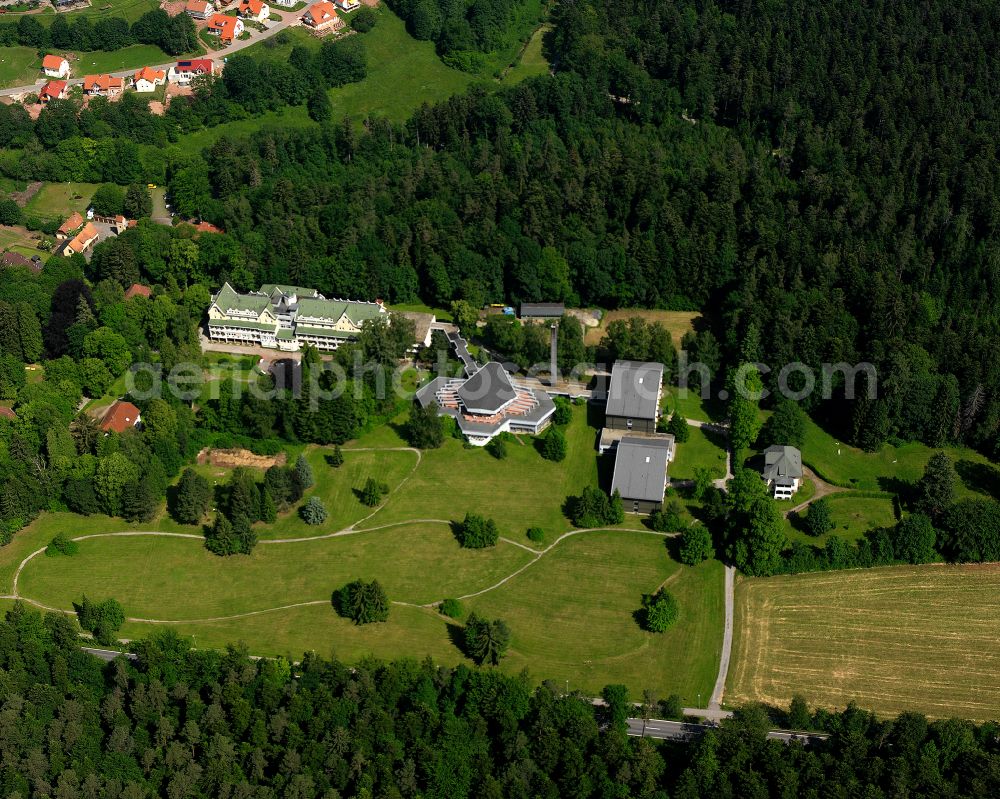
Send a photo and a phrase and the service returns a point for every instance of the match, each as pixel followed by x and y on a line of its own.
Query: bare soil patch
pixel 231 458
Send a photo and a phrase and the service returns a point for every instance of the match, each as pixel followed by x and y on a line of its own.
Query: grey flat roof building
pixel 634 391
pixel 641 468
pixel 782 464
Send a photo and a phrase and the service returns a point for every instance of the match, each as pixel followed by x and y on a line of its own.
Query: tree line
pixel 181 722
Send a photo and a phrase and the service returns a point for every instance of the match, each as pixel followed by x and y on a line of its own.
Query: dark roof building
pixel 542 310
pixel 640 474
pixel 782 470
pixel 488 403
pixel 16 259
pixel 634 396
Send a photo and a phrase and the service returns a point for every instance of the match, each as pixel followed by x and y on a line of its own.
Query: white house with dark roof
pixel 782 470
pixel 489 402
pixel 287 317
pixel 640 474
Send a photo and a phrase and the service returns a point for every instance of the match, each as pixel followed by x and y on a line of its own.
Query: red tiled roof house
pixel 322 16
pixel 55 66
pixel 121 416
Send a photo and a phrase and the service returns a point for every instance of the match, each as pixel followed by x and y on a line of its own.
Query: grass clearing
pixel 532 62
pixel 852 516
pixel 19 66
pixel 161 577
pixel 59 200
pixel 521 491
pixel 677 322
pixel 701 450
pixel 570 616
pixel 921 638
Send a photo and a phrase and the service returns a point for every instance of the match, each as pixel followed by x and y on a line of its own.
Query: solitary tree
pixel 498 447
pixel 303 473
pixel 935 491
pixel 364 603
pixel 554 445
pixel 659 611
pixel 335 458
pixel 476 532
pixel 486 640
pixel 314 511
pixel 678 426
pixel 373 491
pixel 696 544
pixel 819 520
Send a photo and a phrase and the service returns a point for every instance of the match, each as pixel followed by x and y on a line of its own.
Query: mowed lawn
pixel 163 577
pixel 852 517
pixel 924 638
pixel 61 199
pixel 701 450
pixel 337 488
pixel 519 492
pixel 19 66
pixel 571 616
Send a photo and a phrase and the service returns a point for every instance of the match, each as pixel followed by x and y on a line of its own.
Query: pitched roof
pixel 73 221
pixel 7 413
pixel 150 74
pixel 16 259
pixel 79 242
pixel 208 227
pixel 138 290
pixel 120 417
pixel 641 468
pixel 253 6
pixel 226 26
pixel 634 389
pixel 53 62
pixel 228 299
pixel 782 462
pixel 101 82
pixel 323 11
pixel 198 6
pixel 195 65
pixel 488 391
pixel 53 88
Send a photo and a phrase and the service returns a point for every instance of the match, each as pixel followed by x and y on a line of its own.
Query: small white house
pixel 255 10
pixel 783 470
pixel 147 79
pixel 183 72
pixel 55 66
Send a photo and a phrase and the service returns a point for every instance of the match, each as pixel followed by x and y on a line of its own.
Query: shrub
pixel 451 608
pixel 564 411
pixel 670 519
pixel 475 532
pixel 678 426
pixel 554 445
pixel 818 518
pixel 498 447
pixel 659 611
pixel 61 545
pixel 314 511
pixel 364 19
pixel 536 534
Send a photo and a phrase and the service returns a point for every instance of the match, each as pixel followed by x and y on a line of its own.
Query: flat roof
pixel 488 391
pixel 641 468
pixel 544 310
pixel 635 389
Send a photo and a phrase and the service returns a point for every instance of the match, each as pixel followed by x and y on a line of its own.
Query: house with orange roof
pixel 147 79
pixel 322 16
pixel 72 224
pixel 257 10
pixel 82 241
pixel 121 416
pixel 226 28
pixel 183 72
pixel 102 86
pixel 53 90
pixel 138 290
pixel 55 66
pixel 199 9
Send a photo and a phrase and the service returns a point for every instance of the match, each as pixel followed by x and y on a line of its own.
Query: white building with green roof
pixel 287 317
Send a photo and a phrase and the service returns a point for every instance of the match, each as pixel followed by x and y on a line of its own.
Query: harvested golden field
pixel 923 638
pixel 677 322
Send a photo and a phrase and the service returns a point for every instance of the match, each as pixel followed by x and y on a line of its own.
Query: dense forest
pixel 178 722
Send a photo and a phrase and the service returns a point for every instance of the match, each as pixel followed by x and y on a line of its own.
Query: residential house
pixel 53 90
pixel 183 72
pixel 542 310
pixel 322 16
pixel 782 470
pixel 255 10
pixel 287 317
pixel 199 9
pixel 640 474
pixel 138 290
pixel 82 241
pixel 488 403
pixel 7 413
pixel 348 5
pixel 102 86
pixel 55 66
pixel 226 28
pixel 147 79
pixel 285 3
pixel 634 396
pixel 72 224
pixel 121 416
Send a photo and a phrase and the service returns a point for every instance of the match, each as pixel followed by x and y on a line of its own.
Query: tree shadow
pixel 901 488
pixel 595 415
pixel 716 437
pixel 605 470
pixel 983 478
pixel 798 521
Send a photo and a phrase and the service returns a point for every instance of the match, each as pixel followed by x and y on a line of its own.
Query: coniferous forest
pixel 183 723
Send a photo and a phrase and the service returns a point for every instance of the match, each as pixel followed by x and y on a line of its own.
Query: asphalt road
pixel 288 19
pixel 107 655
